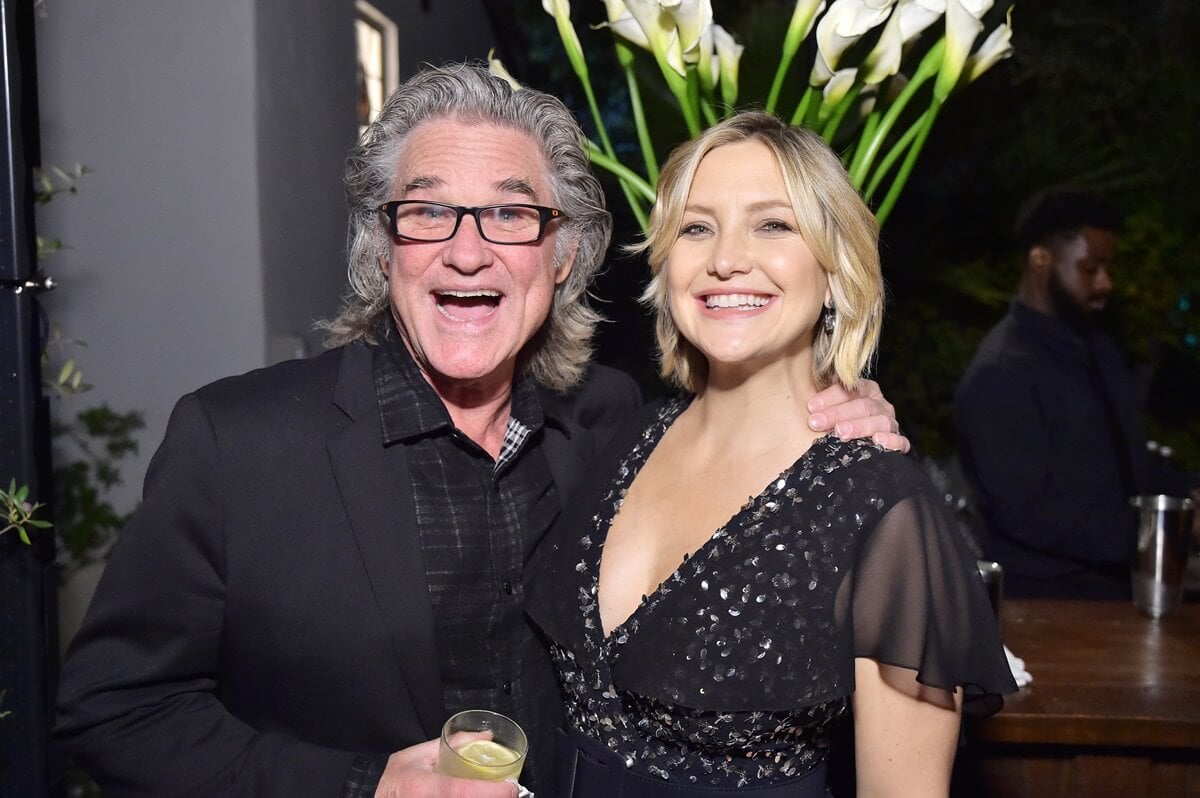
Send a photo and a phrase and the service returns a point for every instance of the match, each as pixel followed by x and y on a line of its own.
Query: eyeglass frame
pixel 545 216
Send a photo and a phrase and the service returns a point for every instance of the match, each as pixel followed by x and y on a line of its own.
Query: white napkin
pixel 1017 666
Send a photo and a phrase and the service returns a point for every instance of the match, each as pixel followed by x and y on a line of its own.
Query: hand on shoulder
pixel 860 413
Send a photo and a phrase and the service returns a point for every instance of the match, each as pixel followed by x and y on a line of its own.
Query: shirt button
pixel 507 688
pixel 507 588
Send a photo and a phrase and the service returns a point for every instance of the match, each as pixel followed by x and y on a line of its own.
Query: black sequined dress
pixel 733 672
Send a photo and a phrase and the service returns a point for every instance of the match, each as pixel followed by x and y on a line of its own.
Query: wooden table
pixel 1113 710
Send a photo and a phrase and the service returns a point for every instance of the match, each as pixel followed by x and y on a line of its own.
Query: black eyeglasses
pixel 418 220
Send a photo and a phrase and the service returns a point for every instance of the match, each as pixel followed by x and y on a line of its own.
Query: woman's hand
pixel 905 733
pixel 861 413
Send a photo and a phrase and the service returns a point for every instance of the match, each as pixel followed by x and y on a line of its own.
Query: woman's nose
pixel 729 257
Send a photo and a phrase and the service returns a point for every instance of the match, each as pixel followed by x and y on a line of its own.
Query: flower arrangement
pixel 879 74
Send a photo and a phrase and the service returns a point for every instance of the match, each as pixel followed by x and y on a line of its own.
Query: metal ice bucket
pixel 1164 529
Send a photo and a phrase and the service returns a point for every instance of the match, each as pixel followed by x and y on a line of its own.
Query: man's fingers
pixel 893 441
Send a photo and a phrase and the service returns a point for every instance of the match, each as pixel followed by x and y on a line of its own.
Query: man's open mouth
pixel 468 305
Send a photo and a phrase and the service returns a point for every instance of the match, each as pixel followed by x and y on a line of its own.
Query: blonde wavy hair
pixel 835 223
pixel 559 352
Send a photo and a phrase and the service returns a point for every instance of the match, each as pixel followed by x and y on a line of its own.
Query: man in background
pixel 1047 414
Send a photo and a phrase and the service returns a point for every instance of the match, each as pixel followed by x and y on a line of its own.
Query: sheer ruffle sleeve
pixel 915 600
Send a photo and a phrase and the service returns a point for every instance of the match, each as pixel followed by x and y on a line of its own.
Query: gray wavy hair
pixel 559 352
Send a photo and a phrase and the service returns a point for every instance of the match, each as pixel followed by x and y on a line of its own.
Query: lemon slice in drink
pixel 486 759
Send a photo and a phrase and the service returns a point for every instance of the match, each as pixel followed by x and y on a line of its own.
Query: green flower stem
pixel 802 108
pixel 625 58
pixel 633 187
pixel 894 153
pixel 868 132
pixel 596 117
pixel 928 68
pixel 777 83
pixel 635 181
pixel 885 208
pixel 839 113
pixel 798 28
pixel 679 87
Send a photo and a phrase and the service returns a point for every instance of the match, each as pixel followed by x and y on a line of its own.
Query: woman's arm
pixel 905 733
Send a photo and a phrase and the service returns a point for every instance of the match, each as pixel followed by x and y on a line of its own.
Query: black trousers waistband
pixel 586 769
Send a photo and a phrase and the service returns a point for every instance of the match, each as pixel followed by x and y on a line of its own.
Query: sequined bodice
pixel 746 675
pixel 736 669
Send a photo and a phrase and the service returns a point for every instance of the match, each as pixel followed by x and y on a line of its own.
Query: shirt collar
pixel 410 408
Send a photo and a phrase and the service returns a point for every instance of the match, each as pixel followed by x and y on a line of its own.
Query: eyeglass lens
pixel 503 223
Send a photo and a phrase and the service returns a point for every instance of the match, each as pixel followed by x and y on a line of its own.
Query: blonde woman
pixel 733 584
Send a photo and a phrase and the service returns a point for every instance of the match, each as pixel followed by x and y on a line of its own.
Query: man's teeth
pixel 735 300
pixel 471 294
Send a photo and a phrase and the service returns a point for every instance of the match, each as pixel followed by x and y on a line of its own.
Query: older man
pixel 328 558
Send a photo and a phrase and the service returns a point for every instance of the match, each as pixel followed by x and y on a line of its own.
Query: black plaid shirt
pixel 478 520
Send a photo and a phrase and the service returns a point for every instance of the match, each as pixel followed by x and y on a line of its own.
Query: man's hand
pixel 409 774
pixel 861 413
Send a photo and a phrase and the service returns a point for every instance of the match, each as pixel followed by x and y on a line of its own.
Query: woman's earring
pixel 830 318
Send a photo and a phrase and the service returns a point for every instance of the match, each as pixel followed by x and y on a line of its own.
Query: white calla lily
pixel 884 59
pixel 838 86
pixel 692 19
pixel 661 33
pixel 962 28
pixel 844 24
pixel 996 47
pixel 729 55
pixel 917 15
pixel 621 22
pixel 497 68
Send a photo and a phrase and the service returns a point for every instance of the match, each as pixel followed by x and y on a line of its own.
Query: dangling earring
pixel 830 318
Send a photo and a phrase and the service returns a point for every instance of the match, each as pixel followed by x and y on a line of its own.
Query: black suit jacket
pixel 264 617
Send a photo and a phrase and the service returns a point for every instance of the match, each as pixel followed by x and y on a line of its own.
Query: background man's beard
pixel 1067 307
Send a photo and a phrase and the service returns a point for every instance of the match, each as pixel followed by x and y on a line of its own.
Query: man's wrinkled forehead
pixel 431 182
pixel 507 160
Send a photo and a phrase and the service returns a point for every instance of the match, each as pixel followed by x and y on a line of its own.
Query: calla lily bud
pixel 497 68
pixel 803 15
pixel 561 11
pixel 962 28
pixel 729 55
pixel 996 47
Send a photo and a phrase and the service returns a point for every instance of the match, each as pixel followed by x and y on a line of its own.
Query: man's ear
pixel 1040 259
pixel 563 270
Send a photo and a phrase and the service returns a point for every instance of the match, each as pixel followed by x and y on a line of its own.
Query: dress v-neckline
pixel 662 424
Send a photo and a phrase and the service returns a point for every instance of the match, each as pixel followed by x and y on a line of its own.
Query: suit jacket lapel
pixel 374 484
